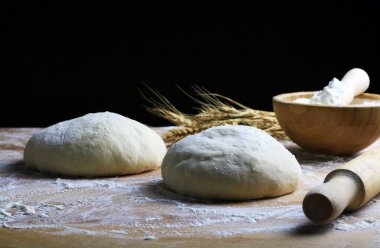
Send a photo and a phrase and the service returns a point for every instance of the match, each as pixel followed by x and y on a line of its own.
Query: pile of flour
pixel 338 93
pixel 331 94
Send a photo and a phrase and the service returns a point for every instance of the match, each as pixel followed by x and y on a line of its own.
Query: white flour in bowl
pixel 334 94
pixel 356 102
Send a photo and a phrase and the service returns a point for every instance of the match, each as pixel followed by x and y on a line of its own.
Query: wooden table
pixel 38 210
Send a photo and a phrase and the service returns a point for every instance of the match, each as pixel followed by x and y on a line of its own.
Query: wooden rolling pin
pixel 347 188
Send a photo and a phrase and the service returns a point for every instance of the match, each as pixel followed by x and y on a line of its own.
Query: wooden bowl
pixel 332 130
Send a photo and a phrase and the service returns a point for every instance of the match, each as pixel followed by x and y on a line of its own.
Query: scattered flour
pixel 141 207
pixel 150 237
pixel 17 208
pixel 84 183
pixel 353 224
pixel 4 213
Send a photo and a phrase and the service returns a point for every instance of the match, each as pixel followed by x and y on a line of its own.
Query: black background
pixel 61 60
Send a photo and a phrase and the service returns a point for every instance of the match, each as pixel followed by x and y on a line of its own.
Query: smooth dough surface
pixel 99 144
pixel 230 163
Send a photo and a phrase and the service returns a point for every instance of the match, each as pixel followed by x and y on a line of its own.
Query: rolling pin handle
pixel 327 201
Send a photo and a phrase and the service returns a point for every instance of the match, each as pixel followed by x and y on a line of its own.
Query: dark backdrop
pixel 61 60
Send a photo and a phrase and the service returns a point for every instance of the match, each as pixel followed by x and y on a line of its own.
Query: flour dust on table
pixel 142 207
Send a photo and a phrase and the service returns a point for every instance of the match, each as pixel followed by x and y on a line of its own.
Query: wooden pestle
pixel 357 82
pixel 346 188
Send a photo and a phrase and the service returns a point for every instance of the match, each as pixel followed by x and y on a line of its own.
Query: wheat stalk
pixel 214 110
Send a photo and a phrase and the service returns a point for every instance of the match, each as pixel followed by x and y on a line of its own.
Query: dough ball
pixel 100 144
pixel 230 163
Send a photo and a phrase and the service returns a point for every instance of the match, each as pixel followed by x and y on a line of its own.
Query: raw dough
pixel 230 163
pixel 100 144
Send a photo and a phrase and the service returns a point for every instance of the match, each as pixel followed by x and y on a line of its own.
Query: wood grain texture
pixel 348 187
pixel 142 212
pixel 336 130
pixel 326 202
